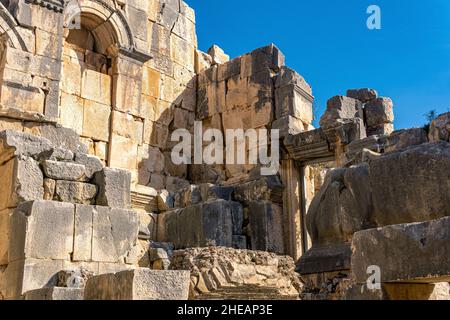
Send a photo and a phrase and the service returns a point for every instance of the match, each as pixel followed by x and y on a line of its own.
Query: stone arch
pixel 108 25
pixel 8 30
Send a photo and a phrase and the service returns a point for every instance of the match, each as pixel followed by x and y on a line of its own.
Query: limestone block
pixel 266 227
pixel 268 188
pixel 11 124
pixel 147 224
pixel 55 293
pixel 43 229
pixel 49 189
pixel 101 150
pixel 168 14
pixel 340 108
pixel 151 159
pixel 74 278
pixel 75 192
pixel 59 170
pixel 159 135
pixel 136 17
pixel 182 52
pixel 208 224
pixel 22 180
pixel 61 154
pixel 417 252
pixel 159 38
pixel 71 112
pixel 423 173
pixel 151 82
pixel 172 169
pixel 440 128
pixel 4 236
pixel 139 284
pixel 22 276
pixel 162 63
pixel 114 188
pixel 92 164
pixel 165 200
pixel 123 153
pixel 291 100
pixel 96 86
pixel 127 94
pixel 174 184
pixel 187 11
pixel 218 55
pixel 48 44
pixel 72 75
pixel 203 61
pixel 96 120
pixel 364 95
pixel 185 29
pixel 115 233
pixel 269 57
pixel 405 138
pixel 59 136
pixel 13 143
pixel 82 245
pixel 28 98
pixel 379 111
pixel 229 69
pixel 288 77
pixel 236 93
pixel 288 125
pixel 157 181
pixel 164 112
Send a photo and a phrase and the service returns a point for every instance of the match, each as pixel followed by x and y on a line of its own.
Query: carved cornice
pixel 54 5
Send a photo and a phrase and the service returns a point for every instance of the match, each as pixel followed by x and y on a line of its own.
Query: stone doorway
pixel 86 89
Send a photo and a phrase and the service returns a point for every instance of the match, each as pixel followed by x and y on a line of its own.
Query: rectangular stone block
pixel 293 101
pixel 96 120
pixel 75 192
pixel 22 180
pixel 42 230
pixel 96 86
pixel 22 276
pixel 27 98
pixel 379 111
pixel 416 252
pixel 127 94
pixel 266 225
pixel 4 236
pixel 139 284
pixel 55 293
pixel 114 188
pixel 59 170
pixel 82 245
pixel 13 143
pixel 71 112
pixel 288 125
pixel 115 232
pixel 340 108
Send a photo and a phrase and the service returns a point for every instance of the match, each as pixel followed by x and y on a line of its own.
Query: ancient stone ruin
pixel 93 207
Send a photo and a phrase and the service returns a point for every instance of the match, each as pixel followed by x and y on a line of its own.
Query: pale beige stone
pixel 71 79
pixel 127 94
pixel 96 120
pixel 71 112
pixel 27 98
pixel 123 153
pixel 96 86
pixel 150 82
pixel 182 52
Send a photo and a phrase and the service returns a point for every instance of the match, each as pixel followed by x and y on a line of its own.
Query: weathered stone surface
pixel 416 252
pixel 62 137
pixel 114 188
pixel 4 236
pixel 43 230
pixel 55 293
pixel 342 207
pixel 266 227
pixel 364 95
pixel 379 111
pixel 75 278
pixel 49 189
pixel 399 292
pixel 402 139
pixel 61 154
pixel 92 164
pixel 288 125
pixel 381 129
pixel 22 180
pixel 217 55
pixel 440 128
pixel 340 108
pixel 200 225
pixel 22 276
pixel 227 273
pixel 115 232
pixel 267 188
pixel 411 185
pixel 15 143
pixel 75 192
pixel 139 284
pixel 59 170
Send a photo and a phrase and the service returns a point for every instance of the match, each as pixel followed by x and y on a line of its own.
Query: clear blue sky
pixel 327 42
